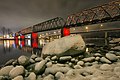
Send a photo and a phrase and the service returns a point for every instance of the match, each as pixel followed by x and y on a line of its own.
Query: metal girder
pixel 52 24
pixel 100 14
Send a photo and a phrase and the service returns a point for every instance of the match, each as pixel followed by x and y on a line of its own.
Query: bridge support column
pixel 34 40
pixel 65 31
pixel 106 35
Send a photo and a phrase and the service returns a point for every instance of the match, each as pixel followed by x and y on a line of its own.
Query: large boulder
pixel 111 57
pixel 66 46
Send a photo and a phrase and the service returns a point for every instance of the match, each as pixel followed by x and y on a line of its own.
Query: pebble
pixel 77 67
pixel 90 59
pixel 54 58
pixel 5 70
pixel 104 60
pixel 81 63
pixel 18 78
pixel 40 67
pixel 111 57
pixel 49 64
pixel 18 70
pixel 23 60
pixel 32 76
pixel 65 58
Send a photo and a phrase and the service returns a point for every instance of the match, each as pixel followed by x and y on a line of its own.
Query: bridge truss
pixel 100 14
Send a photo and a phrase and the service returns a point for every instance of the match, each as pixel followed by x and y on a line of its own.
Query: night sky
pixel 18 14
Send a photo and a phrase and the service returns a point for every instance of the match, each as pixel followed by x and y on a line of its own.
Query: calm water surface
pixel 10 49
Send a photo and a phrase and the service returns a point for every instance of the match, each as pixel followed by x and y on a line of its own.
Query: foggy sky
pixel 18 14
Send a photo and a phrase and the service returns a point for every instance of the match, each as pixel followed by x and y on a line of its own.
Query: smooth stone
pixel 38 59
pixel 59 75
pixel 111 57
pixel 18 78
pixel 97 58
pixel 18 70
pixel 54 70
pixel 70 64
pixel 49 77
pixel 33 56
pixel 32 76
pixel 65 58
pixel 81 63
pixel 90 59
pixel 104 60
pixel 54 58
pixel 49 64
pixel 9 62
pixel 23 60
pixel 97 55
pixel 77 67
pixel 99 78
pixel 5 70
pixel 40 67
pixel 32 61
pixel 106 67
pixel 73 60
pixel 88 64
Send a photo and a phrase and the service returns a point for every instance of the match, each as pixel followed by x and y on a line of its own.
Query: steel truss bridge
pixel 109 12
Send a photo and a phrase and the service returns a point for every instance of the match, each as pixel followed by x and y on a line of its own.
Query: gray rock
pixel 23 60
pixel 90 59
pixel 59 75
pixel 65 58
pixel 9 62
pixel 32 61
pixel 18 70
pixel 88 64
pixel 38 59
pixel 97 55
pixel 54 58
pixel 32 76
pixel 5 70
pixel 40 67
pixel 73 60
pixel 106 67
pixel 18 78
pixel 111 57
pixel 66 46
pixel 49 64
pixel 81 63
pixel 49 77
pixel 97 58
pixel 33 56
pixel 54 70
pixel 70 64
pixel 117 71
pixel 77 67
pixel 104 60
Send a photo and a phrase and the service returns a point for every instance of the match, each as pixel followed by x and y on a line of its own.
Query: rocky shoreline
pixel 102 63
pixel 96 67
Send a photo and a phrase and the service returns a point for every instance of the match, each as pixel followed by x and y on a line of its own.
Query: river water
pixel 9 49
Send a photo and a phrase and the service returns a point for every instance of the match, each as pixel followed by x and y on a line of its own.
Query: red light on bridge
pixel 66 31
pixel 23 43
pixel 34 43
pixel 22 37
pixel 34 35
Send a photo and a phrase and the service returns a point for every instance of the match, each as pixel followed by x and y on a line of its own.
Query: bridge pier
pixel 34 40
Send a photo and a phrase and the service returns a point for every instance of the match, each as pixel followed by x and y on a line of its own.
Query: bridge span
pixel 109 12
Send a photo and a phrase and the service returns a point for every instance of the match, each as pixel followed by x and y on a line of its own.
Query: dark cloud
pixel 18 14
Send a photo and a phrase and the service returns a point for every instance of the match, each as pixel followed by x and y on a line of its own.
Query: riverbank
pixel 99 63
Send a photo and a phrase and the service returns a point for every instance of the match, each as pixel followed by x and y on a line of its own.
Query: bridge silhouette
pixel 109 12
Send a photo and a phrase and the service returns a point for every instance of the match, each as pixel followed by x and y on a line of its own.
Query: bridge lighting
pixel 74 29
pixel 54 32
pixel 101 25
pixel 86 28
